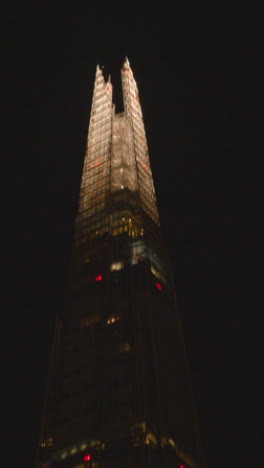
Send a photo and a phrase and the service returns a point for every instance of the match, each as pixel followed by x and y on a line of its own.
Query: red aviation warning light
pixel 98 278
pixel 160 288
pixel 87 457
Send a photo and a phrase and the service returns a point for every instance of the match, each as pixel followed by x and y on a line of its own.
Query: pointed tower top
pixel 126 65
pixel 99 71
pixel 99 77
pixel 109 84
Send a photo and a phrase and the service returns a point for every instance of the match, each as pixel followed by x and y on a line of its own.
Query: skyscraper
pixel 118 391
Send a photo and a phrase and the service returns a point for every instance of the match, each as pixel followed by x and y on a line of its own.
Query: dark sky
pixel 198 73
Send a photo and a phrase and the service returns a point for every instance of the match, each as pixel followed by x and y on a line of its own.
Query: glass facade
pixel 118 393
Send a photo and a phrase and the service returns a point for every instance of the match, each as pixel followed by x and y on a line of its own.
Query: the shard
pixel 118 392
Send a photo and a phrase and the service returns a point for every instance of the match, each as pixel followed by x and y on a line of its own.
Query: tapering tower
pixel 118 392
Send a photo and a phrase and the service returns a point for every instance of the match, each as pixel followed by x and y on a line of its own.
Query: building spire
pixel 134 115
pixel 99 72
pixel 126 64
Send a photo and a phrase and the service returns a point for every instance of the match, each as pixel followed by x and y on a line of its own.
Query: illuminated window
pixel 151 439
pixel 138 252
pixel 116 266
pixel 125 348
pixel 94 443
pixel 156 273
pixel 83 446
pixel 50 441
pixel 154 259
pixel 138 432
pixel 171 442
pixel 112 319
pixel 47 443
pixel 64 454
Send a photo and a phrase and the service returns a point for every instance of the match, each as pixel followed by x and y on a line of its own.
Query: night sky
pixel 198 74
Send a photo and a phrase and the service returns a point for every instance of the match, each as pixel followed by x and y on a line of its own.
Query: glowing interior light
pixel 158 286
pixel 115 266
pixel 122 187
pixel 172 443
pixel 125 347
pixel 112 320
pixel 121 170
pixel 98 278
pixel 87 457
